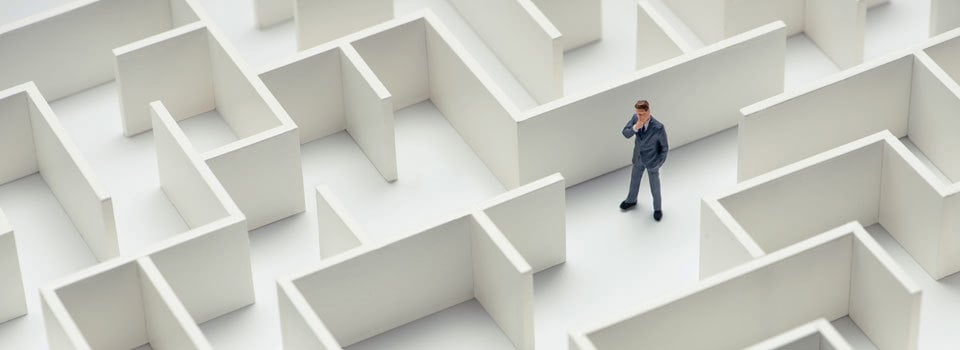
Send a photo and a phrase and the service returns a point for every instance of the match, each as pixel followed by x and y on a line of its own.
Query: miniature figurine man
pixel 649 152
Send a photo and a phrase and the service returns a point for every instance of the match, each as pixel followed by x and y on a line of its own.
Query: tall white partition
pixel 472 103
pixel 173 67
pixel 271 12
pixel 831 275
pixel 657 40
pixel 338 230
pixel 368 110
pixel 19 156
pixel 13 302
pixel 400 282
pixel 816 335
pixel 934 110
pixel 38 143
pixel 502 282
pixel 522 37
pixel 580 22
pixel 383 286
pixel 944 49
pixel 185 179
pixel 260 170
pixel 873 180
pixel 579 136
pixel 780 211
pixel 861 101
pixel 35 47
pixel 122 304
pixel 397 54
pixel 533 218
pixel 319 21
pixel 837 27
pixel 309 87
pixel 72 180
pixel 703 17
pixel 213 257
pixel 944 16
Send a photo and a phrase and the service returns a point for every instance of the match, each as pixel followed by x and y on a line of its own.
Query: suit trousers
pixel 635 178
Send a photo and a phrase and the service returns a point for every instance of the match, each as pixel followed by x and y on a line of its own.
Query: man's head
pixel 643 110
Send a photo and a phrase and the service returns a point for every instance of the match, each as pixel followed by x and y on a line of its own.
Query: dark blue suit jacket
pixel 650 146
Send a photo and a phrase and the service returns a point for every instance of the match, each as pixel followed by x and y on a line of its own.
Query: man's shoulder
pixel 655 123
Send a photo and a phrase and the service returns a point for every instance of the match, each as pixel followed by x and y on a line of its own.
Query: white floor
pixel 615 260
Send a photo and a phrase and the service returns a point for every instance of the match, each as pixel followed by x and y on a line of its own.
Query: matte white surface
pixel 338 231
pixel 837 27
pixel 527 43
pixel 813 279
pixel 816 335
pixel 864 100
pixel 944 16
pixel 656 40
pixel 368 110
pixel 609 245
pixel 579 21
pixel 319 21
pixel 34 47
pixel 311 91
pixel 533 218
pixel 13 303
pixel 585 129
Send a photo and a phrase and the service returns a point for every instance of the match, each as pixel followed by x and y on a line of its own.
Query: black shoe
pixel 657 215
pixel 624 205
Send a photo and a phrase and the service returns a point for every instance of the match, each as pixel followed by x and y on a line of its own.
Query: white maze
pixel 783 253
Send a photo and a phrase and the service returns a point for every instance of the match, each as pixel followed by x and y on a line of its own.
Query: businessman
pixel 649 152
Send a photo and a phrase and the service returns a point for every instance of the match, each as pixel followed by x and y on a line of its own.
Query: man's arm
pixel 664 147
pixel 628 129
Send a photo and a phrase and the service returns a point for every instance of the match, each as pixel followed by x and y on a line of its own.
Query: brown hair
pixel 642 104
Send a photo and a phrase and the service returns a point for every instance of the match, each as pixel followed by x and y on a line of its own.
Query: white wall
pixel 169 326
pixel 319 21
pixel 816 335
pixel 703 17
pixel 786 208
pixel 398 57
pixel 106 304
pixel 851 105
pixel 579 136
pixel 191 190
pixel 13 302
pixel 300 328
pixel 472 103
pixel 743 15
pixel 533 218
pixel 657 41
pixel 270 12
pixel 944 16
pixel 911 210
pixel 946 53
pixel 838 29
pixel 174 68
pixel 399 281
pixel 524 40
pixel 310 90
pixel 579 21
pixel 884 302
pixel 19 156
pixel 368 110
pixel 732 310
pixel 263 175
pixel 934 111
pixel 72 180
pixel 338 231
pixel 35 50
pixel 502 282
pixel 208 268
pixel 723 243
pixel 239 102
